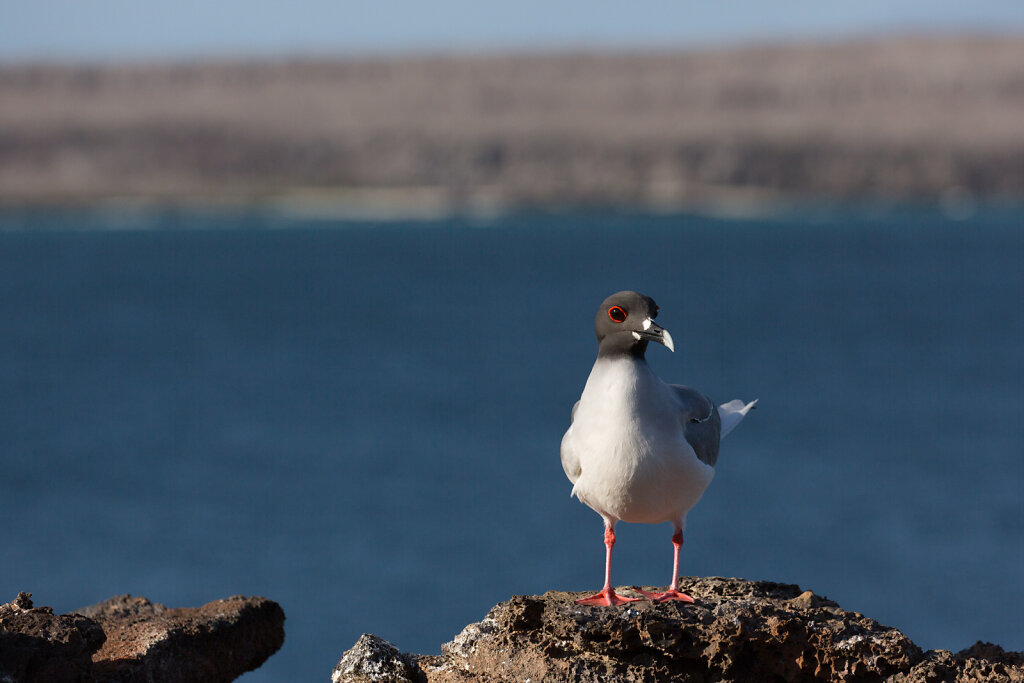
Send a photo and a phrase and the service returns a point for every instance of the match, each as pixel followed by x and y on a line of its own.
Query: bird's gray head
pixel 625 323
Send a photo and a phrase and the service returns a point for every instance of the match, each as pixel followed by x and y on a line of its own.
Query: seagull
pixel 637 449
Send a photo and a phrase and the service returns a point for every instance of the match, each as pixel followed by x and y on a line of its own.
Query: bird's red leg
pixel 607 597
pixel 672 593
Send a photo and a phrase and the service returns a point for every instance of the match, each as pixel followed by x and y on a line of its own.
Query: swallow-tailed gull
pixel 637 449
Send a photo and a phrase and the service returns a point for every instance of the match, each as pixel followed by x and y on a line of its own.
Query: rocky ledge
pixel 132 639
pixel 736 630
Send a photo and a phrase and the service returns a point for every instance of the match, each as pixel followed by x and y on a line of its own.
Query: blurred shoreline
pixel 902 118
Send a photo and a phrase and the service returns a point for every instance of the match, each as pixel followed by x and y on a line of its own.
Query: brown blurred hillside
pixel 898 118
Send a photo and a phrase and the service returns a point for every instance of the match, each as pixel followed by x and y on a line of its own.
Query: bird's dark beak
pixel 656 333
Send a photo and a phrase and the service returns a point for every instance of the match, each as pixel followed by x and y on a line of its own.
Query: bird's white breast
pixel 635 464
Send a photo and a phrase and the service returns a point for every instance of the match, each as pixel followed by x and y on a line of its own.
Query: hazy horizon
pixel 118 30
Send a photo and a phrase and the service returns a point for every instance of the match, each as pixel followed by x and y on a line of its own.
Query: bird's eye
pixel 617 314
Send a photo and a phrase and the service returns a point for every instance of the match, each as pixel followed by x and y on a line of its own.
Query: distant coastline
pixel 910 118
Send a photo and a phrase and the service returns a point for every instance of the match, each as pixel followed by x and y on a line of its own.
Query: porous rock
pixel 980 662
pixel 38 645
pixel 736 630
pixel 216 642
pixel 132 639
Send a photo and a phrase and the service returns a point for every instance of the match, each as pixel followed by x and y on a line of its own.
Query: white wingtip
pixel 733 412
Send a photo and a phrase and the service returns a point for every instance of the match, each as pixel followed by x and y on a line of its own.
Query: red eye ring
pixel 617 314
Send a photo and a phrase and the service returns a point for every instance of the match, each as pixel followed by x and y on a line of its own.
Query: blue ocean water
pixel 361 419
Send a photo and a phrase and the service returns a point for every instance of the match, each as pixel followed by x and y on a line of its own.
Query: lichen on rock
pixel 375 660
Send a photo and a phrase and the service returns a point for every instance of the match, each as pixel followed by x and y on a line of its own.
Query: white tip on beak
pixel 668 341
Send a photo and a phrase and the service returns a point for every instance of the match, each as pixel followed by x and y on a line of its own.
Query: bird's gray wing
pixel 570 460
pixel 702 426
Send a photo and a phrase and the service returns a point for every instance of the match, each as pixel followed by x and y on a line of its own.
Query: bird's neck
pixel 608 350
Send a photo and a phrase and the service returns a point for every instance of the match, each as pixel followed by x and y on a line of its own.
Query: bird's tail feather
pixel 732 412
